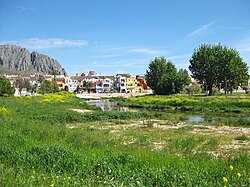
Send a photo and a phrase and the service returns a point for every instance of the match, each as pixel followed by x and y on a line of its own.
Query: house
pixel 12 78
pixel 60 83
pixel 108 82
pixel 142 86
pixel 99 86
pixel 71 84
pixel 121 82
pixel 131 84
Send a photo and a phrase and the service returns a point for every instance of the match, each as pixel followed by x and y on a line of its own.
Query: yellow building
pixel 131 84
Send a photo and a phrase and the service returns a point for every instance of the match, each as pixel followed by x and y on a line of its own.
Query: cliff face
pixel 18 60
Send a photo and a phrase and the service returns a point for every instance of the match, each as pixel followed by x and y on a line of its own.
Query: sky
pixel 123 36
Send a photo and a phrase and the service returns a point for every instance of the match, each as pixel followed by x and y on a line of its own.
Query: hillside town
pixel 82 83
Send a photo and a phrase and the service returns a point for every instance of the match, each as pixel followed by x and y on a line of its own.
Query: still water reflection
pixel 106 105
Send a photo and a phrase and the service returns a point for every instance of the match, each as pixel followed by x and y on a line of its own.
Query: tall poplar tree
pixel 220 66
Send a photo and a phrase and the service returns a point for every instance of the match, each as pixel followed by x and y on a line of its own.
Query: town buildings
pixel 90 82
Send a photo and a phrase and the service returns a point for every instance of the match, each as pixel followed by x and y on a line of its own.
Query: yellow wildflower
pixel 238 174
pixel 225 179
pixel 69 178
pixel 57 177
pixel 52 185
pixel 231 167
pixel 104 182
pixel 97 176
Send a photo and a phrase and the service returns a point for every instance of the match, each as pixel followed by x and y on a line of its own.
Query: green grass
pixel 231 103
pixel 37 147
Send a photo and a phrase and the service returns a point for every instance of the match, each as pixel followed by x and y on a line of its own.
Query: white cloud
pixel 178 57
pixel 243 45
pixel 138 62
pixel 202 30
pixel 246 49
pixel 107 56
pixel 38 43
pixel 232 28
pixel 146 51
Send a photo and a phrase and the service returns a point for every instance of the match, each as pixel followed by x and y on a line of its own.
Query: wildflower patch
pixel 4 111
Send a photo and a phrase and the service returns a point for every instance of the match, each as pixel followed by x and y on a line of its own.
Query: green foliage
pixel 193 103
pixel 194 88
pixel 48 87
pixel 184 78
pixel 215 65
pixel 44 143
pixel 4 111
pixel 27 85
pixel 162 77
pixel 5 87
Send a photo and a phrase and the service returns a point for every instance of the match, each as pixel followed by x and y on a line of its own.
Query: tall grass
pixel 235 103
pixel 38 149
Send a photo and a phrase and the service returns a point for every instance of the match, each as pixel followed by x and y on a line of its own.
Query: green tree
pixel 184 77
pixel 45 87
pixel 215 65
pixel 55 87
pixel 194 88
pixel 27 85
pixel 5 87
pixel 233 71
pixel 40 79
pixel 89 86
pixel 48 87
pixel 162 77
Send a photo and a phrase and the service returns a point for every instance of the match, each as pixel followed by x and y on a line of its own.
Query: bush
pixel 5 87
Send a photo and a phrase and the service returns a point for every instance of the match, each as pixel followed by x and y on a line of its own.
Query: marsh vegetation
pixel 60 140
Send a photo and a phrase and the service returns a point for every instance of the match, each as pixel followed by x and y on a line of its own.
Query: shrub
pixel 5 87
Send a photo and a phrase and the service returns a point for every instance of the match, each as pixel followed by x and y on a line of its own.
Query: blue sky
pixel 123 36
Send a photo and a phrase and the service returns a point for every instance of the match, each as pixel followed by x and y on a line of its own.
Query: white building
pixel 71 84
pixel 121 82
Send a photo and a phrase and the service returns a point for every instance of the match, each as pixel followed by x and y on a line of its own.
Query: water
pixel 107 105
pixel 196 119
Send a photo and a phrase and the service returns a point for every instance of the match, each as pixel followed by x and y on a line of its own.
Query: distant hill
pixel 18 60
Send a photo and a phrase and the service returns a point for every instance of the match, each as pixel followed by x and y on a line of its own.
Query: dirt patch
pixel 224 149
pixel 80 110
pixel 158 146
pixel 227 135
pixel 72 126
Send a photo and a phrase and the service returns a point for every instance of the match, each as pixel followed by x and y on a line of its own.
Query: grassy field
pixel 43 142
pixel 231 103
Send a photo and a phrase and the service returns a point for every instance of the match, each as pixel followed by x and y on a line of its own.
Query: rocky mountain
pixel 18 60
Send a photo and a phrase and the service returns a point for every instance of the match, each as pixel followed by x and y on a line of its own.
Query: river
pixel 107 105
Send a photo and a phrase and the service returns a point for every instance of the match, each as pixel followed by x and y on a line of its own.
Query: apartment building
pixel 121 82
pixel 71 84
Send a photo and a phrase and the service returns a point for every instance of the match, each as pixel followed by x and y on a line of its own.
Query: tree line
pixel 211 65
pixel 45 87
